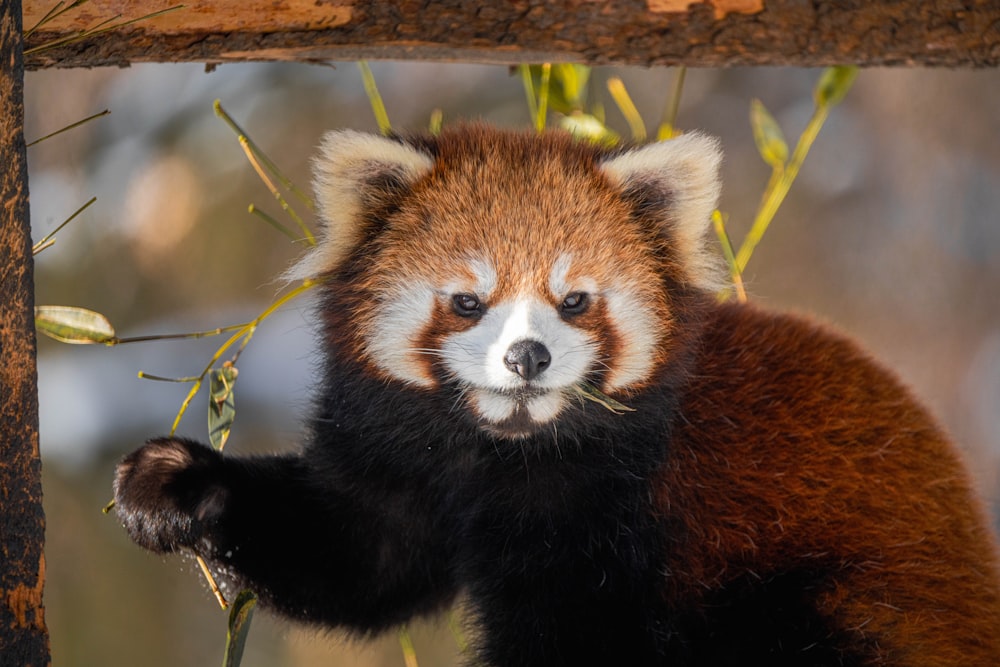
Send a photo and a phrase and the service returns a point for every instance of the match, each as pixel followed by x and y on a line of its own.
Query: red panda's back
pixel 795 453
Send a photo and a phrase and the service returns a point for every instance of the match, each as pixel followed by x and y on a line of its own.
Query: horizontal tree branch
pixel 634 32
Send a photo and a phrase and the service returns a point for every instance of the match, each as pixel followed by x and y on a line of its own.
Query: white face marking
pixel 402 316
pixel 545 407
pixel 559 283
pixel 485 275
pixel 557 277
pixel 493 407
pixel 476 358
pixel 638 335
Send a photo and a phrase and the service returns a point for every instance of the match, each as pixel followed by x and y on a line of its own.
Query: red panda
pixel 773 496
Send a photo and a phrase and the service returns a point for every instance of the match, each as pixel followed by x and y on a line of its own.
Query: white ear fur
pixel 686 167
pixel 346 163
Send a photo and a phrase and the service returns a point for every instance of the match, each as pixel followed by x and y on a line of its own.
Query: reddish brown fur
pixel 766 478
pixel 490 191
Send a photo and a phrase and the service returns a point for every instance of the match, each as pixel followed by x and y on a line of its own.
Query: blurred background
pixel 892 233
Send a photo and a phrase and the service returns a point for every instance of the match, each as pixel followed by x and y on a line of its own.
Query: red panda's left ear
pixel 683 172
pixel 351 170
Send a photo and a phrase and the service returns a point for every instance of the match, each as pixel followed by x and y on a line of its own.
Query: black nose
pixel 527 358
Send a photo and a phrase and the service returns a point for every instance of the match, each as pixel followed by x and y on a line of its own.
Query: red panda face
pixel 511 266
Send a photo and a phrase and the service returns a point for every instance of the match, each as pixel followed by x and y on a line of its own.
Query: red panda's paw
pixel 168 493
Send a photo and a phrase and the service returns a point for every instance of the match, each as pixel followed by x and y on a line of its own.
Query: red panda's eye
pixel 467 305
pixel 574 304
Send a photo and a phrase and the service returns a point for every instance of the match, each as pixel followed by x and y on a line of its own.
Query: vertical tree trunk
pixel 23 636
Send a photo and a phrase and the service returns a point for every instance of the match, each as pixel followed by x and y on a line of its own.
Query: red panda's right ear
pixel 684 174
pixel 350 168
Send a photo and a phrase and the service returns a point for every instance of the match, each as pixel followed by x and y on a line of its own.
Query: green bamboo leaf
pixel 436 122
pixel 834 84
pixel 67 128
pixel 240 615
pixel 830 89
pixel 260 156
pixel 253 210
pixel 221 404
pixel 545 92
pixel 668 123
pixel 592 393
pixel 142 375
pixel 406 644
pixel 529 90
pixel 47 240
pixel 768 136
pixel 98 29
pixel 572 81
pixel 621 97
pixel 286 207
pixel 375 98
pixel 589 127
pixel 719 223
pixel 57 10
pixel 70 324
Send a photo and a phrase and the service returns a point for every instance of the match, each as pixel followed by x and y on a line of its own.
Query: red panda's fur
pixel 766 474
pixel 775 496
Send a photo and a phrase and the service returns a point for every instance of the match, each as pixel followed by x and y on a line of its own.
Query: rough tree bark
pixel 651 32
pixel 23 636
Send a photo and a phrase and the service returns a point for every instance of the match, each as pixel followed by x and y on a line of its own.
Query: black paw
pixel 169 493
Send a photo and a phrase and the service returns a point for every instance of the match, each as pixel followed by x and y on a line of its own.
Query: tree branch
pixel 654 32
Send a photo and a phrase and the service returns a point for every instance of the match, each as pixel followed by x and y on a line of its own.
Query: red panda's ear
pixel 352 169
pixel 681 175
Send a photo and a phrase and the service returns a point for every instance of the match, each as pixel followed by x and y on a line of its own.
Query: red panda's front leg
pixel 272 525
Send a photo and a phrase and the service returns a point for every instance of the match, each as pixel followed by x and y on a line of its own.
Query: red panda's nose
pixel 527 358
